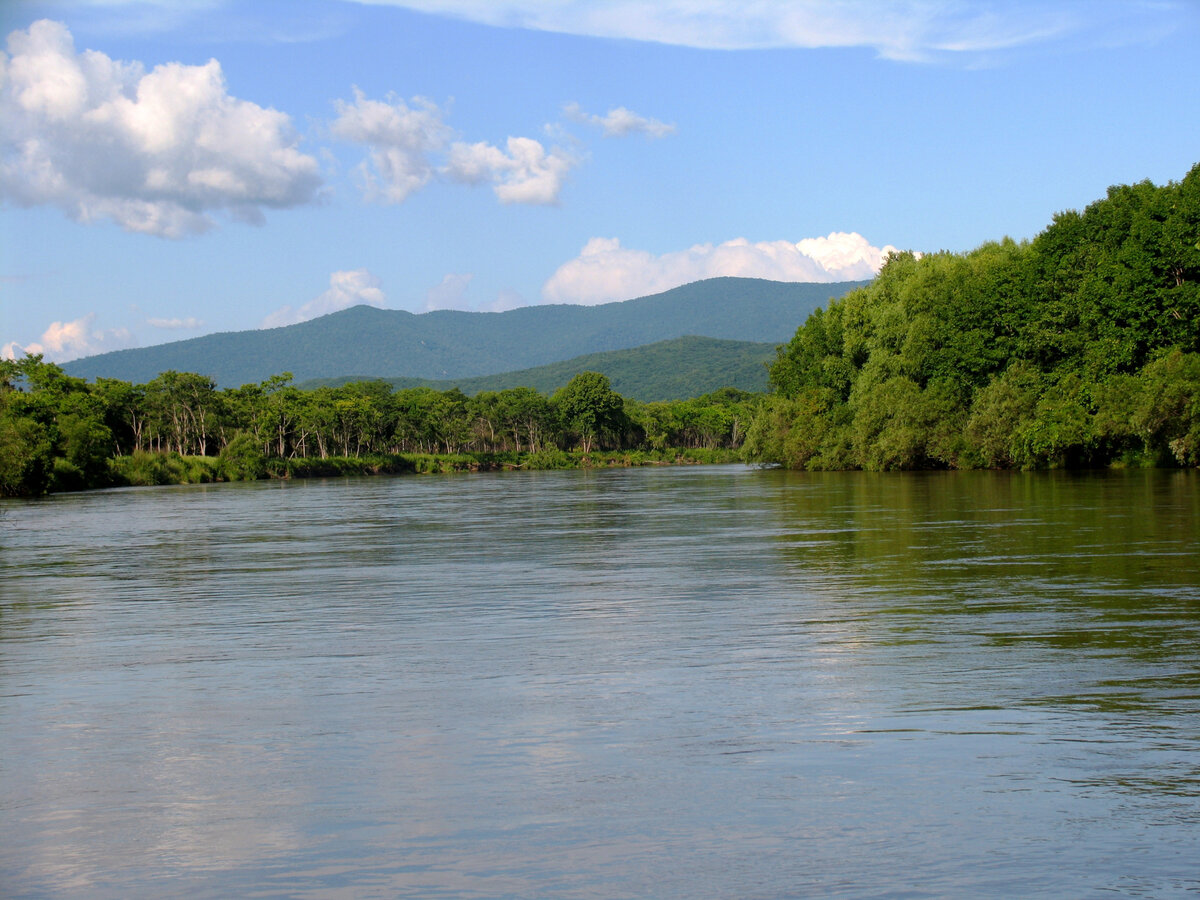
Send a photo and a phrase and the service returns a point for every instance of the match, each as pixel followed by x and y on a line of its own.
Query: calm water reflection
pixel 707 682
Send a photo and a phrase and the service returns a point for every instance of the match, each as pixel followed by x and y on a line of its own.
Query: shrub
pixel 242 459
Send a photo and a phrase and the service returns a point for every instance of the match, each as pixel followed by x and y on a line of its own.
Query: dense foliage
pixel 1080 348
pixel 58 432
pixel 452 344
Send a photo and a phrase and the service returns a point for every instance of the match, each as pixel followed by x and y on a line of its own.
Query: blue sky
pixel 174 169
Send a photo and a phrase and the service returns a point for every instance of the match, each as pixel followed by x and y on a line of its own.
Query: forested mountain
pixel 1079 348
pixel 452 345
pixel 669 370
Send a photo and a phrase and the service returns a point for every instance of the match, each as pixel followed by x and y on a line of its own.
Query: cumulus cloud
pixel 912 30
pixel 156 152
pixel 620 122
pixel 352 287
pixel 401 140
pixel 190 323
pixel 64 341
pixel 526 173
pixel 605 271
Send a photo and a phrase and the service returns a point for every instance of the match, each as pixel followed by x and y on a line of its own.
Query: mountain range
pixel 450 345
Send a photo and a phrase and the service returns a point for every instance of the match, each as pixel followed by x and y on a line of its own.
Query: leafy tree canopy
pixel 1045 353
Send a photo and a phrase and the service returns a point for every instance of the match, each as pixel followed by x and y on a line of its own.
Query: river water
pixel 682 682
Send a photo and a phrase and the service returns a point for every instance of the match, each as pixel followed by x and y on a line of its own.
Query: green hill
pixel 668 370
pixel 455 345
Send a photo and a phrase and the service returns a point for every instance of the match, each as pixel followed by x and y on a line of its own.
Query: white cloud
pixel 527 173
pixel 620 122
pixel 155 152
pixel 409 144
pixel 401 139
pixel 190 323
pixel 451 293
pixel 605 271
pixel 64 341
pixel 347 288
pixel 895 29
pixel 506 299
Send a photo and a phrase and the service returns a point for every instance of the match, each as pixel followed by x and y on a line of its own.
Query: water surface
pixel 692 682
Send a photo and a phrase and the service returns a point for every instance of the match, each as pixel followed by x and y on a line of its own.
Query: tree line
pixel 1079 348
pixel 58 432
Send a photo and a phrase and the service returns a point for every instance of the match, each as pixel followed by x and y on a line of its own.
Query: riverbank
pixel 147 469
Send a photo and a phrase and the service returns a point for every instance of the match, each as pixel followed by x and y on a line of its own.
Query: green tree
pixel 1167 412
pixel 124 412
pixel 1000 412
pixel 52 431
pixel 525 416
pixel 590 409
pixel 26 453
pixel 183 410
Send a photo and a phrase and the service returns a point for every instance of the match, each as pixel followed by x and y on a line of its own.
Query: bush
pixel 242 459
pixel 549 458
pixel 333 466
pixel 142 469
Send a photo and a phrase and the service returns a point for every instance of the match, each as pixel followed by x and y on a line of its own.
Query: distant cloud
pixel 911 30
pixel 347 288
pixel 143 17
pixel 620 122
pixel 450 294
pixel 64 341
pixel 506 299
pixel 605 271
pixel 191 322
pixel 401 139
pixel 526 173
pixel 154 152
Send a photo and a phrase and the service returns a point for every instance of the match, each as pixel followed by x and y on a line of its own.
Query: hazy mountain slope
pixel 450 344
pixel 668 370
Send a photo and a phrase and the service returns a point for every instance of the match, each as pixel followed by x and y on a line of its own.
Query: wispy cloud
pixel 210 21
pixel 351 287
pixel 619 122
pixel 911 30
pixel 605 271
pixel 451 293
pixel 189 324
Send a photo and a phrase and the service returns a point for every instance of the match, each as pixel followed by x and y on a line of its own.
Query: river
pixel 662 682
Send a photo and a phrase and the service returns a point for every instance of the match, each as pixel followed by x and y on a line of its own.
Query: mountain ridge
pixel 454 344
